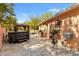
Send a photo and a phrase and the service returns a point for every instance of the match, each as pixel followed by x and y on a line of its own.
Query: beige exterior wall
pixel 73 42
pixel 44 28
pixel 72 16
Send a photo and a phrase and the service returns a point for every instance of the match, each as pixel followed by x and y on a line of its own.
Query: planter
pixel 40 33
pixel 67 35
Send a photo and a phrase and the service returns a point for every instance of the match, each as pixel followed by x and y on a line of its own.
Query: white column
pixel 48 32
pixel 39 27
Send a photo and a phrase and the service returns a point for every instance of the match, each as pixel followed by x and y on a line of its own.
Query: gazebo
pixel 19 35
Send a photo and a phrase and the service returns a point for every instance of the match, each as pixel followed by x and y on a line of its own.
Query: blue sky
pixel 23 10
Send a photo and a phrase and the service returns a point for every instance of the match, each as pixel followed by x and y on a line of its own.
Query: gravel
pixel 36 46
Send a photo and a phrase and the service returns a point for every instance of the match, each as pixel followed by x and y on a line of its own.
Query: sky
pixel 23 10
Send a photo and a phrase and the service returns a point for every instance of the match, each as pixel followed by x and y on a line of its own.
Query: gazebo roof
pixel 22 25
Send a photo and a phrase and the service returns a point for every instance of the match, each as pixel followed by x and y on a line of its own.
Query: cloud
pixel 54 10
pixel 22 17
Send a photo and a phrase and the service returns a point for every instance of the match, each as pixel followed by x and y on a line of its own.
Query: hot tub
pixel 14 37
